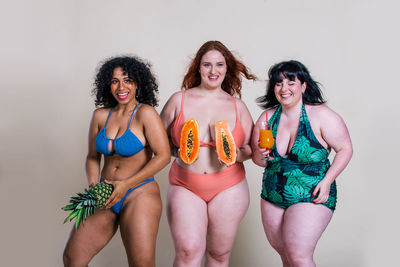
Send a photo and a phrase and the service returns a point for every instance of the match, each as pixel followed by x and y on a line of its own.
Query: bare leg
pixel 187 217
pixel 303 226
pixel 272 218
pixel 139 221
pixel 225 211
pixel 91 237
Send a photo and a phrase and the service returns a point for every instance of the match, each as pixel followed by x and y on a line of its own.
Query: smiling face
pixel 122 87
pixel 289 92
pixel 212 69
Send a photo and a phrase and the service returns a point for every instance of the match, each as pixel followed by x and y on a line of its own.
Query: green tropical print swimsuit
pixel 292 179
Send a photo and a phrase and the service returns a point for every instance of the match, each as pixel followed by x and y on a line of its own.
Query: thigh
pixel 272 219
pixel 187 217
pixel 92 236
pixel 303 226
pixel 225 211
pixel 139 221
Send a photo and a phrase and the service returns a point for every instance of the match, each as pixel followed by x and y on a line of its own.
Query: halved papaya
pixel 190 141
pixel 224 142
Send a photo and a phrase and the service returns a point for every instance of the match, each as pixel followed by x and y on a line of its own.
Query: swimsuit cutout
pixel 237 133
pixel 291 179
pixel 126 145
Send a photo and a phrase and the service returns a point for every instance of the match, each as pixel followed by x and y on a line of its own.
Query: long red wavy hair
pixel 232 83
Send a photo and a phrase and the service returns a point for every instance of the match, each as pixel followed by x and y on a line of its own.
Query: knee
pixel 142 261
pixel 73 257
pixel 67 258
pixel 298 257
pixel 189 252
pixel 219 255
pixel 70 260
pixel 278 246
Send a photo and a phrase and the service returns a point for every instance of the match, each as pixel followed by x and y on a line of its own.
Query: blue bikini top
pixel 126 145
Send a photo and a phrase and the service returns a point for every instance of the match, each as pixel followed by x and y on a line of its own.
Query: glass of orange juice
pixel 266 137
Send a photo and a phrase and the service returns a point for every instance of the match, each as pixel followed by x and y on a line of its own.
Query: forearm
pixel 244 153
pixel 92 170
pixel 259 160
pixel 340 162
pixel 157 163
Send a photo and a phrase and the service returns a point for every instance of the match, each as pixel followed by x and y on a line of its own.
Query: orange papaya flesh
pixel 224 142
pixel 189 146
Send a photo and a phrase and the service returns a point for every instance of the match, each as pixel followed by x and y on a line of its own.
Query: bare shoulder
pixel 175 98
pixel 323 114
pixel 100 114
pixel 145 112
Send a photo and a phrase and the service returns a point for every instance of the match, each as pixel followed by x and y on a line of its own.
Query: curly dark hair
pixel 232 83
pixel 140 73
pixel 290 70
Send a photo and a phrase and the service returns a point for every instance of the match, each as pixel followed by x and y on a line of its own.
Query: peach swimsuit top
pixel 237 133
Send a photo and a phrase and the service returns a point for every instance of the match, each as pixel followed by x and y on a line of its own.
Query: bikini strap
pixel 183 100
pixel 129 125
pixel 109 114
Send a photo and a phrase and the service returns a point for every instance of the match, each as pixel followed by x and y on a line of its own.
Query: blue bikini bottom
pixel 117 207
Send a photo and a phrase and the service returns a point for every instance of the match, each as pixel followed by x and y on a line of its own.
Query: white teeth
pixel 123 94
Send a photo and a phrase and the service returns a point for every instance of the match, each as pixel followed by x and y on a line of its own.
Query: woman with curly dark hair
pixel 128 131
pixel 206 199
pixel 298 194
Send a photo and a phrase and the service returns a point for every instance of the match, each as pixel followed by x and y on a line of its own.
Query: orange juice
pixel 266 139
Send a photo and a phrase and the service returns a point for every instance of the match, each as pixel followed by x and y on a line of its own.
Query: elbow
pixel 165 158
pixel 350 152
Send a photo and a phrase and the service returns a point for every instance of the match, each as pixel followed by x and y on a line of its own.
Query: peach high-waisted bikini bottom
pixel 207 186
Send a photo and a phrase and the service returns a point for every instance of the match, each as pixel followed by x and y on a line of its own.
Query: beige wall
pixel 49 52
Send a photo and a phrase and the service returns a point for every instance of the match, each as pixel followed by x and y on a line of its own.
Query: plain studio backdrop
pixel 50 50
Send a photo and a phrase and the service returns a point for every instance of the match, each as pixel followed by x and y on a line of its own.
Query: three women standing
pixel 206 200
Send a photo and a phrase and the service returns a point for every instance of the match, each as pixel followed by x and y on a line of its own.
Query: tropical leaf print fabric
pixel 292 179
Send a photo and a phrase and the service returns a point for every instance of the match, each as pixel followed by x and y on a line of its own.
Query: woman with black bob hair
pixel 298 195
pixel 291 70
pixel 128 132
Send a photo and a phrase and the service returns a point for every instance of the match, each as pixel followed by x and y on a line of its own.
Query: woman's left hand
pixel 120 189
pixel 322 189
pixel 243 153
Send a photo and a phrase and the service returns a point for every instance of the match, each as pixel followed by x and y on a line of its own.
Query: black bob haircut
pixel 290 70
pixel 136 69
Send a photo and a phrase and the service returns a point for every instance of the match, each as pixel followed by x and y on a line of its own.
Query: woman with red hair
pixel 206 199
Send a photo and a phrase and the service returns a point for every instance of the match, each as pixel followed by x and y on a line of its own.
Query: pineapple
pixel 84 204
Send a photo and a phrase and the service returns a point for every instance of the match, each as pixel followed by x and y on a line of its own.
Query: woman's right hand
pixel 265 153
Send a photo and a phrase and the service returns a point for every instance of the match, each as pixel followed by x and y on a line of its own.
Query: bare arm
pixel 168 115
pixel 336 135
pixel 244 152
pixel 93 157
pixel 158 141
pixel 259 154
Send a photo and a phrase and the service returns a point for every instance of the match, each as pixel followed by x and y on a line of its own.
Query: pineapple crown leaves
pixel 84 204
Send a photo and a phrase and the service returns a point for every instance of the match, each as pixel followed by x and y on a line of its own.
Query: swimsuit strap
pixel 234 100
pixel 129 125
pixel 109 114
pixel 183 100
